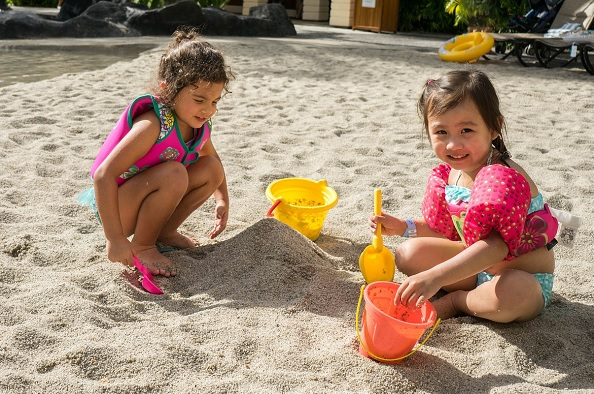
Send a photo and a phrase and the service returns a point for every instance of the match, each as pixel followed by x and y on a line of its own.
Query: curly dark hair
pixel 188 60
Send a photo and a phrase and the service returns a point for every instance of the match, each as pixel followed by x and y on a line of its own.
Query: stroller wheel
pixel 529 50
pixel 544 53
pixel 588 58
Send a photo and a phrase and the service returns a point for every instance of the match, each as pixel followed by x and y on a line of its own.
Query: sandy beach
pixel 262 309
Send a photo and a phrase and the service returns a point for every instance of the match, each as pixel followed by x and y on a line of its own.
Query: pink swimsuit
pixel 500 200
pixel 169 146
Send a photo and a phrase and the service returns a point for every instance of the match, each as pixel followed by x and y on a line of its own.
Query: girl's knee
pixel 518 295
pixel 208 169
pixel 404 256
pixel 217 171
pixel 175 176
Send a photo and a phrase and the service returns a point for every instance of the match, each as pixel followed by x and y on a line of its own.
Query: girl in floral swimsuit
pixel 486 234
pixel 159 164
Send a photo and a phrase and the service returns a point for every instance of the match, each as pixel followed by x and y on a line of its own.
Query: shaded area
pixel 44 62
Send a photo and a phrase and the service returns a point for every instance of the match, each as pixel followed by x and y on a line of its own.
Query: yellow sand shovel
pixel 376 262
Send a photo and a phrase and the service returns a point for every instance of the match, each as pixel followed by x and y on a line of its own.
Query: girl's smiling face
pixel 460 137
pixel 196 103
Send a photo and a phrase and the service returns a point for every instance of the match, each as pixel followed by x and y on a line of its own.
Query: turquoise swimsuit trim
pixel 87 198
pixel 454 194
pixel 545 280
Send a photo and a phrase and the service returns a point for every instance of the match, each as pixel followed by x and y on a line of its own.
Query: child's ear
pixel 162 85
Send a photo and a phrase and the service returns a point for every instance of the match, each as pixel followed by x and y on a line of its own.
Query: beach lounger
pixel 551 49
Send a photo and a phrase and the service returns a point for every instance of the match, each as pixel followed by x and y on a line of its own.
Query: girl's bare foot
pixel 178 240
pixel 155 262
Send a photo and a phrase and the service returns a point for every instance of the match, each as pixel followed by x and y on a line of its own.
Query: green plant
pixel 33 3
pixel 484 13
pixel 213 3
pixel 427 16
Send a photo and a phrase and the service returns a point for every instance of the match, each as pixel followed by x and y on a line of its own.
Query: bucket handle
pixel 270 213
pixel 378 357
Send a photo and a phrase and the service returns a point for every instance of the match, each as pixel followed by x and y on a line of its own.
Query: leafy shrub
pixel 485 13
pixel 34 3
pixel 454 16
pixel 427 16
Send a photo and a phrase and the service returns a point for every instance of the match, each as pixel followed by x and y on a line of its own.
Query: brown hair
pixel 449 91
pixel 189 60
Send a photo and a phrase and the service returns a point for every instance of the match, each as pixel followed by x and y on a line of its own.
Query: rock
pixel 71 9
pixel 164 21
pixel 277 14
pixel 104 19
pixel 88 25
pixel 105 10
pixel 269 20
pixel 119 19
pixel 27 25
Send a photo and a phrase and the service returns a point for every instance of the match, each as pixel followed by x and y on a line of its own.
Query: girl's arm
pixel 392 225
pixel 221 194
pixel 134 145
pixel 472 260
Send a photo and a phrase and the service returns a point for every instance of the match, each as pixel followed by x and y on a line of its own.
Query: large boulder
pixel 118 19
pixel 71 9
pixel 164 21
pixel 269 20
pixel 27 25
pixel 275 17
pixel 104 19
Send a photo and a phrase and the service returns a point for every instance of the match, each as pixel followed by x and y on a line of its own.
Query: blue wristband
pixel 411 229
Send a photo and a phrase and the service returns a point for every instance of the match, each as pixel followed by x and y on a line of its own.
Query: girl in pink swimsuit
pixel 158 164
pixel 486 234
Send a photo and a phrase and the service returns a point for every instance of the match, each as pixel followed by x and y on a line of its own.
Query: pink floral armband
pixel 499 201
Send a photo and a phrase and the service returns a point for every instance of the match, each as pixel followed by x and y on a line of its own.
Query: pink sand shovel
pixel 147 278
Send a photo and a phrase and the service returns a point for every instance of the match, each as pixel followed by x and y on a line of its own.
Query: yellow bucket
pixel 301 204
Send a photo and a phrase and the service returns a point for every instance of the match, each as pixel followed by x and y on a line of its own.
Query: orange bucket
pixel 389 332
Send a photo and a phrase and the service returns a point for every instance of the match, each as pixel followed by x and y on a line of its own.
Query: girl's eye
pixel 439 132
pixel 466 130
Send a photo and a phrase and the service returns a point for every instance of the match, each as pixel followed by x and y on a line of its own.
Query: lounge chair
pixel 550 48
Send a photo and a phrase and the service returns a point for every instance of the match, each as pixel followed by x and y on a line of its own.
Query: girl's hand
pixel 417 289
pixel 390 225
pixel 221 216
pixel 120 250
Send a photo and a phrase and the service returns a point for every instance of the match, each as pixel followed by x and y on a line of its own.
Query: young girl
pixel 486 234
pixel 158 164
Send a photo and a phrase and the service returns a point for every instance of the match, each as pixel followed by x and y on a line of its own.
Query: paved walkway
pixel 321 31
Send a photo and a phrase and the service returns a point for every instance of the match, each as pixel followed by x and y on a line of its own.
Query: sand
pixel 262 309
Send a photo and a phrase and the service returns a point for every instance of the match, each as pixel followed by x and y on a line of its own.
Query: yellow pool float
pixel 467 47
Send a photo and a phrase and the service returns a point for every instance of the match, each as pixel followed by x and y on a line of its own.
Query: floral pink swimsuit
pixel 169 146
